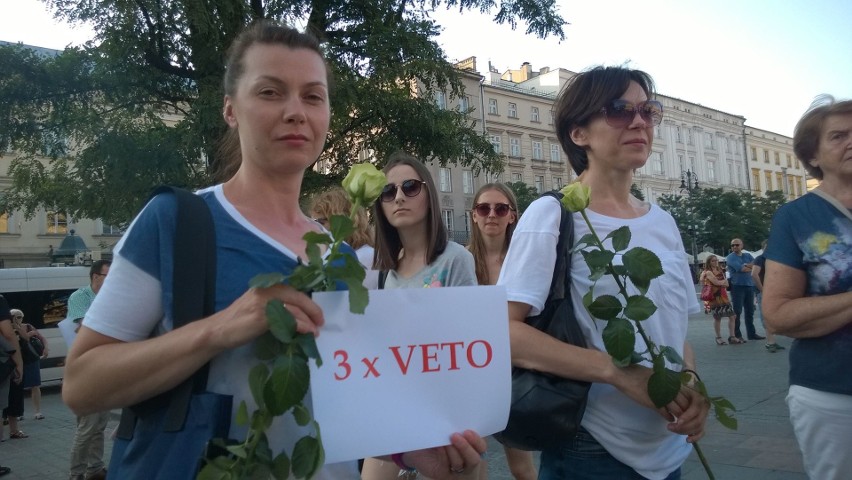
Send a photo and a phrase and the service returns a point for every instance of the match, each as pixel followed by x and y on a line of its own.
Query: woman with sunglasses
pixel 277 106
pixel 413 251
pixel 494 215
pixel 605 119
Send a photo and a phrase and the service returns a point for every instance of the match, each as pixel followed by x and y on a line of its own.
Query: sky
pixel 764 60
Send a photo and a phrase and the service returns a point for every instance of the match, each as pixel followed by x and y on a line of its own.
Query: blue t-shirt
pixel 809 234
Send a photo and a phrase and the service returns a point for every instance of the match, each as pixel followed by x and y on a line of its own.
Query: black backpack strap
pixel 383 275
pixel 560 284
pixel 194 294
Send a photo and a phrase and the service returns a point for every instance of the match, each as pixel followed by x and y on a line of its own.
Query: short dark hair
pixel 97 266
pixel 806 136
pixel 388 243
pixel 584 96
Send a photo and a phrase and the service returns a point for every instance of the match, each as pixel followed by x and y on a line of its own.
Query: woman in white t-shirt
pixel 605 119
pixel 413 251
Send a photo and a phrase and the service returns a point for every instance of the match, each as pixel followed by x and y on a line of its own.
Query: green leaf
pixel 260 421
pixel 639 308
pixel 641 284
pixel 663 386
pixel 317 238
pixel 359 297
pixel 242 414
pixel 308 343
pixel 598 259
pixel 281 321
pixel 238 450
pixel 281 467
pixel 302 415
pixel 620 238
pixel 308 278
pixel 585 241
pixel 312 250
pixel 587 298
pixel 721 406
pixel 262 451
pixel 212 471
pixel 257 379
pixel 605 307
pixel 306 454
pixel 341 226
pixel 619 337
pixel 287 385
pixel 267 347
pixel 636 357
pixel 265 280
pixel 670 354
pixel 642 264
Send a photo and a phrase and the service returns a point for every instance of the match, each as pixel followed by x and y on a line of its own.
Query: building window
pixel 514 147
pixel 57 223
pixel 446 180
pixel 678 134
pixel 513 110
pixel 753 154
pixel 467 182
pixel 464 103
pixel 448 219
pixel 539 184
pixel 492 106
pixel 777 158
pixel 689 136
pixel 4 223
pixel 110 230
pixel 555 155
pixel 657 163
pixel 789 161
pixel 779 180
pixel 534 114
pixel 537 151
pixel 711 171
pixel 728 145
pixel 755 179
pixel 766 156
pixel 557 183
pixel 768 176
pixel 497 143
pixel 680 162
pixel 657 132
pixel 517 177
pixel 708 140
pixel 441 100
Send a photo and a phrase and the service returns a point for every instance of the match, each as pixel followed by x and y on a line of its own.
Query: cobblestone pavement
pixel 762 448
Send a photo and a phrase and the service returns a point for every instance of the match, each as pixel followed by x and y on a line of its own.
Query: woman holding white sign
pixel 605 119
pixel 413 251
pixel 276 103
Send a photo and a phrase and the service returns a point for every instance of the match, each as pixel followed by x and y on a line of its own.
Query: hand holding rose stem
pixel 640 265
pixel 280 381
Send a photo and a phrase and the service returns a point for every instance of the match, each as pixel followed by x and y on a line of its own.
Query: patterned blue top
pixel 810 234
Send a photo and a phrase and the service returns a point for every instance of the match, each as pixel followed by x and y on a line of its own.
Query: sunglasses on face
pixel 410 188
pixel 620 113
pixel 735 245
pixel 500 209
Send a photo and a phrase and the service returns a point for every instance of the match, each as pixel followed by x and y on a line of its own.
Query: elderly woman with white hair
pixel 32 371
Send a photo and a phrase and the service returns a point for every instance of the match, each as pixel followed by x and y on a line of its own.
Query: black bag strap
pixel 194 294
pixel 383 275
pixel 561 282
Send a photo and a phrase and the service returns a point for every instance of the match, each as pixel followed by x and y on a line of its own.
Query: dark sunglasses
pixel 500 209
pixel 410 188
pixel 735 245
pixel 620 113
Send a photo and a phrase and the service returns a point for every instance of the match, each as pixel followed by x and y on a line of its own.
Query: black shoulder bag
pixel 166 436
pixel 547 409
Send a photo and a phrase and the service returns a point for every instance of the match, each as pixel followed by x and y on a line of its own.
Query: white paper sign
pixel 68 329
pixel 419 365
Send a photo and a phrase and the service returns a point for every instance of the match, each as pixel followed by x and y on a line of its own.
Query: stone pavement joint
pixel 755 381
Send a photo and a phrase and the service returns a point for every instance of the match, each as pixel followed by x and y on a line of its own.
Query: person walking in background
pixel 8 342
pixel 32 370
pixel 335 202
pixel 758 272
pixel 807 292
pixel 494 215
pixel 87 449
pixel 413 250
pixel 720 306
pixel 605 119
pixel 742 289
pixel 14 411
pixel 276 104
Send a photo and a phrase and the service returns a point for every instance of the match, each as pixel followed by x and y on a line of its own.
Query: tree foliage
pixel 714 216
pixel 97 112
pixel 524 194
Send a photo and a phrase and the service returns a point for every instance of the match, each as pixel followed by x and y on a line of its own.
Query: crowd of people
pixel 277 107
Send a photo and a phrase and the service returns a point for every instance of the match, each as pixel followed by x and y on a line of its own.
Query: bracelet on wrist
pixel 693 372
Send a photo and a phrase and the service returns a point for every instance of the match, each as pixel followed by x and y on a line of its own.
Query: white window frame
pixel 537 150
pixel 492 106
pixel 517 177
pixel 514 147
pixel 534 116
pixel 464 103
pixel 447 216
pixel 467 182
pixel 56 223
pixel 512 111
pixel 555 152
pixel 441 100
pixel 557 183
pixel 539 184
pixel 496 143
pixel 446 183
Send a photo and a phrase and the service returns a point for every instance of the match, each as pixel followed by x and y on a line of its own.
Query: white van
pixel 42 294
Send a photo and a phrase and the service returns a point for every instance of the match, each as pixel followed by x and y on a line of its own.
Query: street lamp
pixel 688 181
pixel 693 232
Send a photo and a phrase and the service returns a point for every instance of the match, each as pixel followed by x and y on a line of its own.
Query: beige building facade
pixel 773 165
